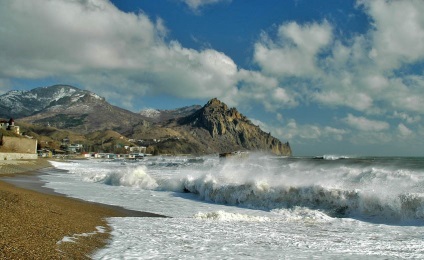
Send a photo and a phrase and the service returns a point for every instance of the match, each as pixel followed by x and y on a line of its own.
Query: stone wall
pixel 18 145
pixel 18 156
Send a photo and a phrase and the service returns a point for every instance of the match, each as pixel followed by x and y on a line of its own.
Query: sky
pixel 330 77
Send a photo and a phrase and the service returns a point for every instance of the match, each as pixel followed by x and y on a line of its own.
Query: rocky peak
pixel 228 125
pixel 215 103
pixel 217 108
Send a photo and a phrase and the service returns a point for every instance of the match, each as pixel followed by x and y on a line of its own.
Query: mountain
pixel 214 128
pixel 62 110
pixel 67 107
pixel 18 104
pixel 228 130
pixel 156 115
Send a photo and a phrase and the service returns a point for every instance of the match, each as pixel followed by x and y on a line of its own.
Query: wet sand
pixel 37 223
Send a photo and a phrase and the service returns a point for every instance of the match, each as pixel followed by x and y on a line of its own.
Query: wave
pixel 337 190
pixel 333 202
pixel 132 177
pixel 359 188
pixel 331 157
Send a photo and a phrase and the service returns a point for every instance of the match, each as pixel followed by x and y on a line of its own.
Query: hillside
pixel 57 112
pixel 156 115
pixel 67 107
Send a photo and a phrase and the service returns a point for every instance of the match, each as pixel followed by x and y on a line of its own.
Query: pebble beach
pixel 39 225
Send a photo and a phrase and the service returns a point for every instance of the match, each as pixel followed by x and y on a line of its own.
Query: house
pixel 137 149
pixel 75 148
pixel 105 155
pixel 4 124
pixel 45 153
pixel 9 126
pixel 71 148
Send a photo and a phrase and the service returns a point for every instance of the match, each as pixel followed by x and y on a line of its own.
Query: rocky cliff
pixel 229 130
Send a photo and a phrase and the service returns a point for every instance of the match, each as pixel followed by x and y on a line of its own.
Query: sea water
pixel 260 207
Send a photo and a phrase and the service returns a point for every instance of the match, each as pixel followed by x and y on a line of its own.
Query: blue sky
pixel 330 77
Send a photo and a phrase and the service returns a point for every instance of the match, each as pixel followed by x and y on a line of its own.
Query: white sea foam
pixel 348 189
pixel 191 238
pixel 74 237
pixel 338 191
pixel 260 208
pixel 131 177
pixel 227 216
pixel 301 214
pixel 332 157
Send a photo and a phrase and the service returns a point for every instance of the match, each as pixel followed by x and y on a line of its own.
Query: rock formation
pixel 231 130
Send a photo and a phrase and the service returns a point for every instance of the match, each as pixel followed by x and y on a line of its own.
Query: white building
pixel 9 126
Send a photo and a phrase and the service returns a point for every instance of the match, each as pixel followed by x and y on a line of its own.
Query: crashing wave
pixel 132 177
pixel 333 202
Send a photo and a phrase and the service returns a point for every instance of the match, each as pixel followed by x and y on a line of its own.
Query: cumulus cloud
pixel 294 51
pixel 364 124
pixel 255 87
pixel 107 50
pixel 361 72
pixel 364 73
pixel 398 28
pixel 123 55
pixel 298 132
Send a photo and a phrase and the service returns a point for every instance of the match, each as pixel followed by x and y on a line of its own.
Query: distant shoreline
pixel 38 219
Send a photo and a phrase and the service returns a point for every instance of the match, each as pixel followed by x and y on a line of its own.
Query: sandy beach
pixel 37 223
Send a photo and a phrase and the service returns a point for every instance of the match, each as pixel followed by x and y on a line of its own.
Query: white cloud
pixel 294 51
pixel 404 131
pixel 109 51
pixel 359 101
pixel 195 5
pixel 361 72
pixel 258 88
pixel 336 133
pixel 398 34
pixel 302 132
pixel 406 117
pixel 364 124
pixel 122 55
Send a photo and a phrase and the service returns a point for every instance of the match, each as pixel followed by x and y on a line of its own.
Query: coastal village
pixel 16 145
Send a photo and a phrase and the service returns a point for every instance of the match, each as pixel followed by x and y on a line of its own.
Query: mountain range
pixel 61 111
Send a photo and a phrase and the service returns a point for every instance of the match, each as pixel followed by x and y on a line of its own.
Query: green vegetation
pixel 63 120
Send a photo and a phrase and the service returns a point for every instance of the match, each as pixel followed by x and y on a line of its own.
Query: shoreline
pixel 39 223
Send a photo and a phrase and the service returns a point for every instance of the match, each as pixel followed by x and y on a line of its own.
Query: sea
pixel 258 207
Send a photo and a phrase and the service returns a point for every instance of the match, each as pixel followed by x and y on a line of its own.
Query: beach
pixel 37 223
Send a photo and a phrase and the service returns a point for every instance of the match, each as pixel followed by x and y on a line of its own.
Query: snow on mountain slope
pixel 19 104
pixel 150 113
